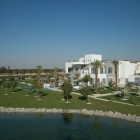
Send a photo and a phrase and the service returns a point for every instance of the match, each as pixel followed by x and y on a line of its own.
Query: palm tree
pixel 77 76
pixel 39 70
pixel 48 77
pixel 116 63
pixel 55 75
pixel 96 65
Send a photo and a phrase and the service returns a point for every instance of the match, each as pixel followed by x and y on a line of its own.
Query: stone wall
pixel 118 115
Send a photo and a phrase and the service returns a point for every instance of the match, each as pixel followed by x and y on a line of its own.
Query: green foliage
pixel 14 84
pixel 96 65
pixel 67 89
pixel 52 100
pixel 111 84
pixel 116 64
pixel 85 91
pixel 6 84
pixel 1 81
pixel 86 78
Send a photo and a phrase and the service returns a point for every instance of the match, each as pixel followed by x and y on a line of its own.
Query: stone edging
pixel 111 114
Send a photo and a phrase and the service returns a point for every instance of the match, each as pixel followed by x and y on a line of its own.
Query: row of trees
pixel 9 70
pixel 9 84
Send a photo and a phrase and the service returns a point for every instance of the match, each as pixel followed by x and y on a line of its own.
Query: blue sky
pixel 51 32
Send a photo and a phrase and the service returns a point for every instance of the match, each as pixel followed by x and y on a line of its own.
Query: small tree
pixel 110 84
pixel 13 85
pixel 85 79
pixel 85 91
pixel 6 85
pixel 67 89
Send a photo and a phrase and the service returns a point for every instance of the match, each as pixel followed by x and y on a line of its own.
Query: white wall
pixel 137 68
pixel 92 57
pixel 126 68
pixel 85 60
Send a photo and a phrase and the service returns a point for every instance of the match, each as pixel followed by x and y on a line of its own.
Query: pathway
pixel 96 96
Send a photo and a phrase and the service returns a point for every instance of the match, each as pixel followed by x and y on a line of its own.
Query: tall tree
pixel 48 77
pixel 39 71
pixel 115 64
pixel 96 65
pixel 55 75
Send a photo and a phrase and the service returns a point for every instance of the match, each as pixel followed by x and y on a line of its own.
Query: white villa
pixel 127 71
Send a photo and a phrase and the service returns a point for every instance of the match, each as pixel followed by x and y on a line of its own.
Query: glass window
pixel 101 70
pixel 109 69
pixel 93 71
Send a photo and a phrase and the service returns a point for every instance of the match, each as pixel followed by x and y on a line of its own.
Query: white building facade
pixel 106 73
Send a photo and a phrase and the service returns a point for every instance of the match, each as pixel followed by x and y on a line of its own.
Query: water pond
pixel 51 126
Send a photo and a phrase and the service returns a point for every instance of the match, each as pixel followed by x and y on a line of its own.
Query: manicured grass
pixel 101 90
pixel 132 99
pixel 52 99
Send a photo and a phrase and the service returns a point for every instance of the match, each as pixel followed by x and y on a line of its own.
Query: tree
pixel 67 89
pixel 39 71
pixel 6 85
pixel 85 79
pixel 85 91
pixel 48 77
pixel 67 77
pixel 116 63
pixel 96 65
pixel 77 75
pixel 13 85
pixel 55 75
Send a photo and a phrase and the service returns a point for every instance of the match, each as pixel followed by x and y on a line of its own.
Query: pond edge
pixel 111 114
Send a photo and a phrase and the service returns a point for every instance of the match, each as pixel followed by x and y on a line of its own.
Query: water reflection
pixel 97 125
pixel 115 122
pixel 68 117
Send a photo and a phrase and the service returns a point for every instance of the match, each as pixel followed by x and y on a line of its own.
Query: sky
pixel 52 32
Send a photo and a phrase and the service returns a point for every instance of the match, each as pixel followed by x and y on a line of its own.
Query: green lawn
pixel 52 99
pixel 132 99
pixel 101 90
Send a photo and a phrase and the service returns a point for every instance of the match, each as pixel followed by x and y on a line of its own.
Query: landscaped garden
pixel 131 98
pixel 53 99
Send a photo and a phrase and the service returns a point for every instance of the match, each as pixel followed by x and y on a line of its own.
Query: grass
pixel 52 99
pixel 132 99
pixel 101 90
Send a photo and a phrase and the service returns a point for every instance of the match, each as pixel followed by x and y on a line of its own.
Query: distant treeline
pixel 4 70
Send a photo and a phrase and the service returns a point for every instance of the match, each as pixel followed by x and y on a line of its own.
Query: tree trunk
pixel 96 82
pixel 116 83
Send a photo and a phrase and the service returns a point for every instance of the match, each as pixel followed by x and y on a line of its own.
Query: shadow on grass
pixel 82 98
pixel 18 90
pixel 44 94
pixel 69 97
